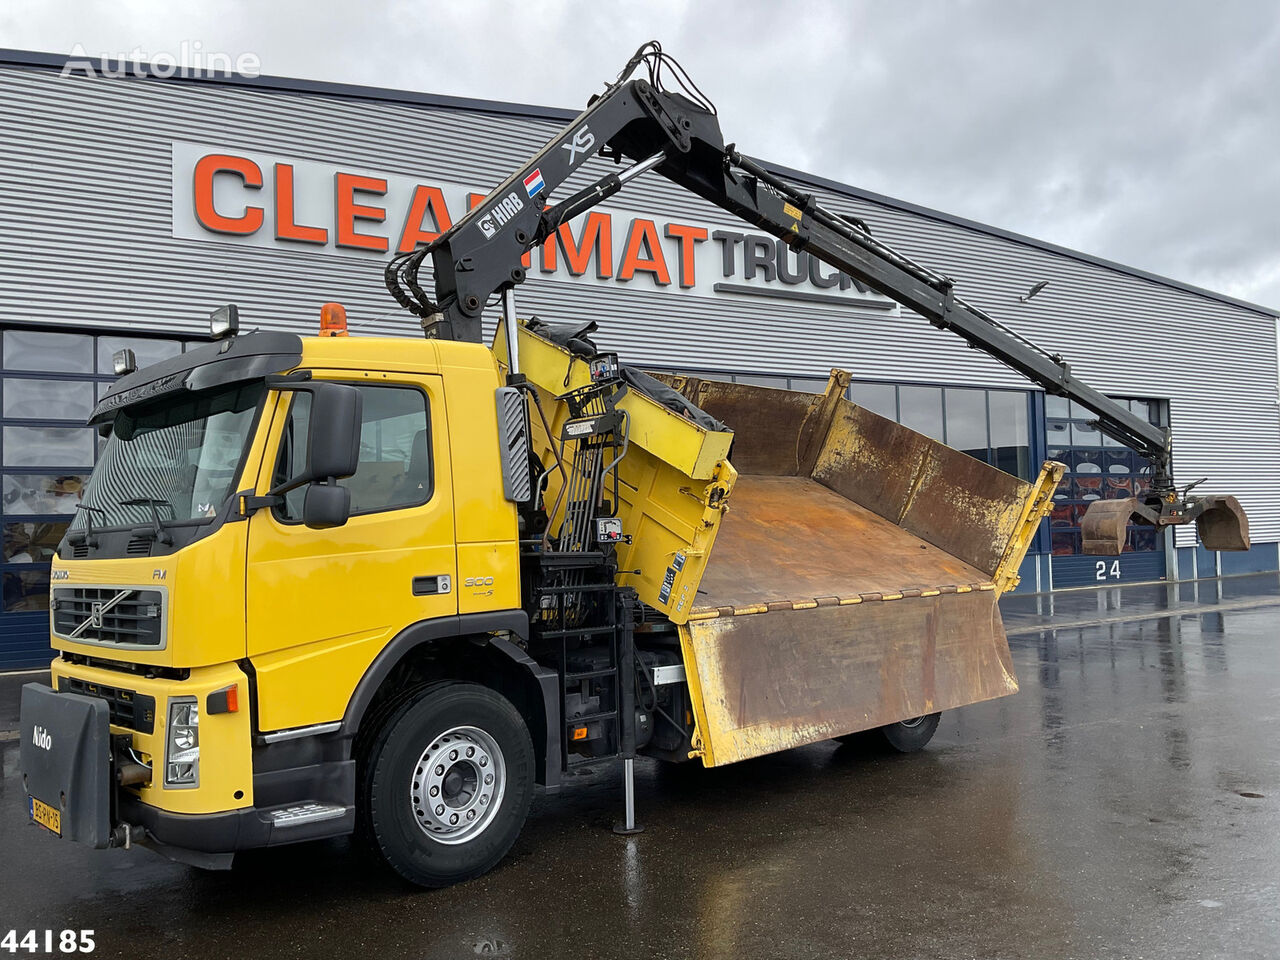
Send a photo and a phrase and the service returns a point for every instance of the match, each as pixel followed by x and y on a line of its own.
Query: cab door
pixel 321 604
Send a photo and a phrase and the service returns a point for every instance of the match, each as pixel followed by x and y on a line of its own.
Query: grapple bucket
pixel 1223 524
pixel 1105 525
pixel 1220 522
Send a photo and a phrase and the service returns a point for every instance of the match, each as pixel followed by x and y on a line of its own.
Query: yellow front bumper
pixel 225 777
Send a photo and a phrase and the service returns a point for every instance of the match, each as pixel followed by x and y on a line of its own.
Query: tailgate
pixel 771 681
pixel 817 618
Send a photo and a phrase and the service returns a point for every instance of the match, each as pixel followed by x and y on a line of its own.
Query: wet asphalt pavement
pixel 1125 804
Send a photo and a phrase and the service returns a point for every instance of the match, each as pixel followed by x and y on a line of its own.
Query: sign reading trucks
pixel 253 199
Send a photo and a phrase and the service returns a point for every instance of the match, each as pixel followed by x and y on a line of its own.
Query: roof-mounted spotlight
pixel 124 361
pixel 224 322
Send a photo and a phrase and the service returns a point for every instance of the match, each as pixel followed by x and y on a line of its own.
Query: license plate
pixel 48 817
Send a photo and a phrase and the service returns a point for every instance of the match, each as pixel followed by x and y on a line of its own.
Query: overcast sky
pixel 1144 132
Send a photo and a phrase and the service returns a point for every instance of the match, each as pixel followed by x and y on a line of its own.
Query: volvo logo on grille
pixel 123 616
pixel 96 611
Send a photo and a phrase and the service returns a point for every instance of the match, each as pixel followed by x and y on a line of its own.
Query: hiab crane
pixel 329 584
pixel 679 137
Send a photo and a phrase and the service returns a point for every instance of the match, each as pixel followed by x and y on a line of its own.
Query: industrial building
pixel 133 205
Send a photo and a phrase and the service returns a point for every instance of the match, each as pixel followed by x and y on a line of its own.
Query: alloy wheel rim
pixel 458 784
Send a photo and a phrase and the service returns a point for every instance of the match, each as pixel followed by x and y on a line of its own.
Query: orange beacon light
pixel 333 320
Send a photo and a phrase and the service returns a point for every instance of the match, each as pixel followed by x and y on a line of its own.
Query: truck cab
pixel 234 622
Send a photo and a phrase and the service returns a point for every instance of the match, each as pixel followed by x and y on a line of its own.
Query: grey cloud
pixel 1143 131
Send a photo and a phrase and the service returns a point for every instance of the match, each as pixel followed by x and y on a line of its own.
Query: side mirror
pixel 333 435
pixel 332 453
pixel 326 505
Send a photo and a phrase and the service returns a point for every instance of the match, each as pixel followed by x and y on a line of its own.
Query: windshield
pixel 175 460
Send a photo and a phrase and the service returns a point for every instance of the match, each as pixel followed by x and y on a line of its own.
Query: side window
pixel 395 452
pixel 293 450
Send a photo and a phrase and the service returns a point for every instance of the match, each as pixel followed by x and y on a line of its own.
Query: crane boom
pixel 678 136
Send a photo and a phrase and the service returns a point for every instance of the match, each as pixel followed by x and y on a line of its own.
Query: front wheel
pixel 447 784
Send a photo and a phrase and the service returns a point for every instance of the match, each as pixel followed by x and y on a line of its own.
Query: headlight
pixel 182 759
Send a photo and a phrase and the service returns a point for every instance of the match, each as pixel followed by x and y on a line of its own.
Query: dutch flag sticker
pixel 533 183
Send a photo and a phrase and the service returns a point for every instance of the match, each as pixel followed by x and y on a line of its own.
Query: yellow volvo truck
pixel 331 584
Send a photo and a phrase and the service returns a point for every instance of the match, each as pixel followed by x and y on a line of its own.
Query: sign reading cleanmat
pixel 228 195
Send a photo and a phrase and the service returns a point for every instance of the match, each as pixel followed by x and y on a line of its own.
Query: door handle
pixel 430 586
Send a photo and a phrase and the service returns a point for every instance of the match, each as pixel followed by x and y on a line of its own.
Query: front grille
pixel 136 711
pixel 122 616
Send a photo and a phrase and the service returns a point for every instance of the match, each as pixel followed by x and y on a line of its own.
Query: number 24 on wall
pixel 1104 572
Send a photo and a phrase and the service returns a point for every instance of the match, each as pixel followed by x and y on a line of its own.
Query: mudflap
pixel 65 759
pixel 770 681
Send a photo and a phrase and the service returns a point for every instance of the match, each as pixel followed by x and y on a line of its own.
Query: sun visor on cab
pixel 247 357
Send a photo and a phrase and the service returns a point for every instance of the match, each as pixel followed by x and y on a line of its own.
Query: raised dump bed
pixel 844 576
pixel 855 576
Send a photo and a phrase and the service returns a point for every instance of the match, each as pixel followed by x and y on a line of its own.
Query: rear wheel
pixel 908 736
pixel 447 784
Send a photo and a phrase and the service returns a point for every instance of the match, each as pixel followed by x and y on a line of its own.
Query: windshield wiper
pixel 158 532
pixel 87 538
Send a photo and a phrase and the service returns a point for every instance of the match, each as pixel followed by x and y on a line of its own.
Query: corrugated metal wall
pixel 85 239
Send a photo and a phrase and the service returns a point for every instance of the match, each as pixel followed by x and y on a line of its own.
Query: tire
pixel 908 736
pixel 440 746
pixel 911 735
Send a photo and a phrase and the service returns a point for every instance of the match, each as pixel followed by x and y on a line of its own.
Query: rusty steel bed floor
pixel 792 539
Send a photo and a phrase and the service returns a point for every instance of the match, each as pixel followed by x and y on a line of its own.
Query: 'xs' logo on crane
pixel 583 140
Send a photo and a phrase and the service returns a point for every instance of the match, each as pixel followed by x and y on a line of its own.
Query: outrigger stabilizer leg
pixel 627 719
pixel 627 825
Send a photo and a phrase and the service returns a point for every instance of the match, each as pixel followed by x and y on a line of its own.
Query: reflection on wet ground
pixel 1025 613
pixel 1124 804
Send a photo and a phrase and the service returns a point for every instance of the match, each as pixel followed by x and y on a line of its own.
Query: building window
pixel 1008 412
pixel 881 398
pixel 966 422
pixel 146 352
pixel 920 408
pixel 993 426
pixel 46 352
pixel 49 383
pixel 1098 468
